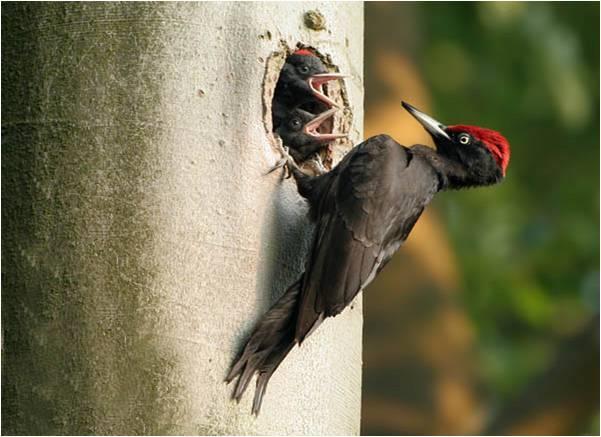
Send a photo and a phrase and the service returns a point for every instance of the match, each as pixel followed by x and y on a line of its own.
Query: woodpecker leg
pixel 304 182
pixel 279 164
pixel 288 162
pixel 282 162
pixel 291 165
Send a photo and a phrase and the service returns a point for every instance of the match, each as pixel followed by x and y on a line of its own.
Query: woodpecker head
pixel 483 153
pixel 300 129
pixel 305 71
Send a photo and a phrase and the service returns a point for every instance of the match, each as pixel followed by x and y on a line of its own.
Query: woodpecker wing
pixel 374 197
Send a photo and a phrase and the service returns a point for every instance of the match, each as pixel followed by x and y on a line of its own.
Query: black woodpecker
pixel 299 131
pixel 363 210
pixel 301 83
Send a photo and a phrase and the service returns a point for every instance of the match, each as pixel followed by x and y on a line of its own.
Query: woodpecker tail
pixel 267 347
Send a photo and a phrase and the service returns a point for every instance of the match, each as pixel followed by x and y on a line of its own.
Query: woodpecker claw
pixel 290 164
pixel 279 164
pixel 287 162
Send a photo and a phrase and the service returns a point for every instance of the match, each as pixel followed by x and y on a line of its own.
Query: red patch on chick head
pixel 496 143
pixel 304 52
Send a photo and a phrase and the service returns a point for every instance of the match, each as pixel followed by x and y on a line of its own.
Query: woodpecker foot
pixel 287 161
pixel 290 164
pixel 279 164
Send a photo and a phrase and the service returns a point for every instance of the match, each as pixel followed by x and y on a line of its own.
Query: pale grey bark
pixel 140 239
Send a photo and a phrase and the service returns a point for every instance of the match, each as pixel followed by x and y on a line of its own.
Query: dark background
pixel 487 320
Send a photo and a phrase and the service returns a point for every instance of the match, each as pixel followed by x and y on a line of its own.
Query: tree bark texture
pixel 141 240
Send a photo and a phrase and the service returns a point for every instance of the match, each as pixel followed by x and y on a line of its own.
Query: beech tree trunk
pixel 141 240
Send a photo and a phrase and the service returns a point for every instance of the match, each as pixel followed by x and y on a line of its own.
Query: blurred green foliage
pixel 529 249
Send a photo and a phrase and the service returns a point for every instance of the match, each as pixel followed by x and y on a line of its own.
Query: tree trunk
pixel 141 240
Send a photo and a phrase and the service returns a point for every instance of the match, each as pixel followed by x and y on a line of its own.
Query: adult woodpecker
pixel 299 131
pixel 301 83
pixel 363 210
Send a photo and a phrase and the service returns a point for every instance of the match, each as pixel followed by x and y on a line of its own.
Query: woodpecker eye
pixel 295 123
pixel 464 138
pixel 303 69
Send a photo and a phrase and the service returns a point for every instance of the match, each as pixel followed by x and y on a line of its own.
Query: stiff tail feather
pixel 267 347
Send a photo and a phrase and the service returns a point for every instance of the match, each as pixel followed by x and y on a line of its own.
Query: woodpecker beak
pixel 312 126
pixel 434 128
pixel 316 83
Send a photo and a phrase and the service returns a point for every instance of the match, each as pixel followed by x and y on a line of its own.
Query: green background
pixel 527 250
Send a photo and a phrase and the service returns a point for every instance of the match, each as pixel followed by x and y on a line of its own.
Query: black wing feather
pixel 371 202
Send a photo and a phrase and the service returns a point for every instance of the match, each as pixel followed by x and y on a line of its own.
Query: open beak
pixel 311 127
pixel 316 83
pixel 434 128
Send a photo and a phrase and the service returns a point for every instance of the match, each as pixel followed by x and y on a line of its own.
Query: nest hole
pixel 335 90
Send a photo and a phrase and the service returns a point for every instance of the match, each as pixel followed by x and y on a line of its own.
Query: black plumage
pixel 363 210
pixel 299 131
pixel 301 84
